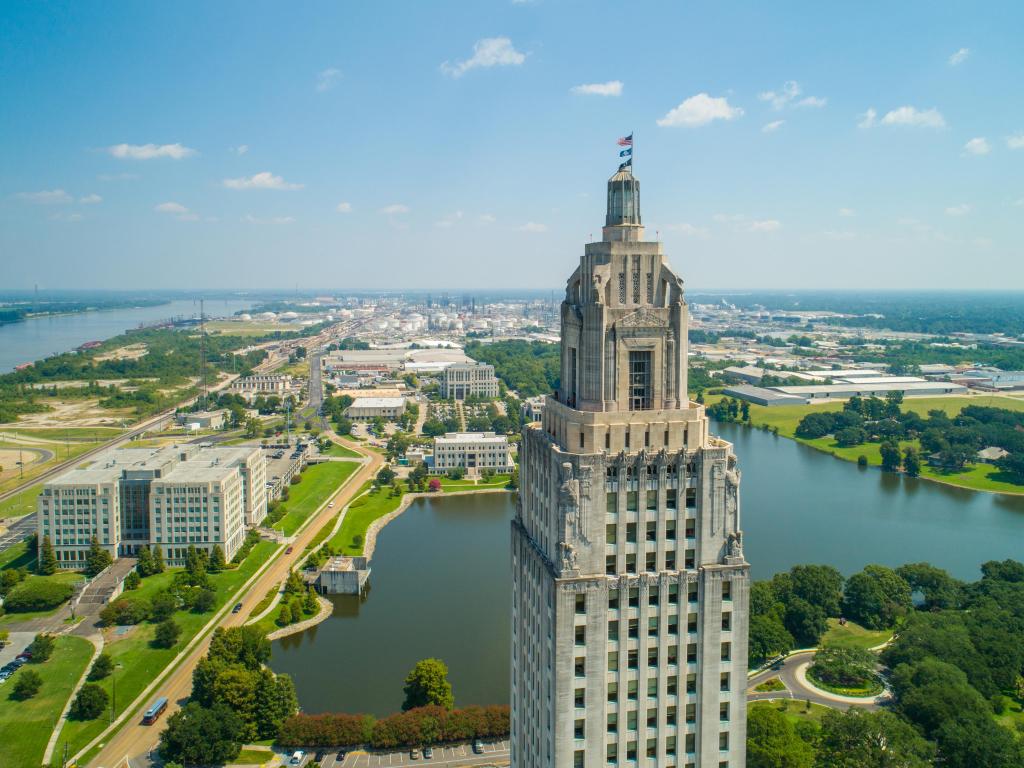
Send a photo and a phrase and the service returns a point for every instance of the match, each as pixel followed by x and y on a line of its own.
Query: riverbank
pixel 783 421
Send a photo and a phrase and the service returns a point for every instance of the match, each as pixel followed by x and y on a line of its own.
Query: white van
pixel 297 757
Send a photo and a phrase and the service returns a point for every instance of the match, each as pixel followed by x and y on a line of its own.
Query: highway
pixel 134 739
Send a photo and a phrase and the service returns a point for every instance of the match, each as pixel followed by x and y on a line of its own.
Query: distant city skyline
pixel 421 146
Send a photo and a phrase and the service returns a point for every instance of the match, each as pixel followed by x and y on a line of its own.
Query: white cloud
pixel 977 146
pixel 486 218
pixel 177 210
pixel 92 199
pixel 689 230
pixel 487 52
pixel 958 210
pixel 66 216
pixel 272 220
pixel 241 149
pixel 327 79
pixel 1016 141
pixel 847 212
pixel 394 208
pixel 343 207
pixel 773 126
pixel 812 101
pixel 700 110
pixel 959 57
pixel 765 225
pixel 611 88
pixel 46 197
pixel 264 180
pixel 911 116
pixel 150 151
pixel 725 218
pixel 450 220
pixel 1019 203
pixel 867 119
pixel 532 226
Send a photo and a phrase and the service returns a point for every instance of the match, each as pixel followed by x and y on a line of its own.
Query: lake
pixel 39 337
pixel 440 581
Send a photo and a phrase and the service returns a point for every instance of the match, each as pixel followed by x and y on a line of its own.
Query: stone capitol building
pixel 630 588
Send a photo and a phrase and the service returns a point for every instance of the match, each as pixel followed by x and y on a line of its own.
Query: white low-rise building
pixel 369 408
pixel 471 451
pixel 463 380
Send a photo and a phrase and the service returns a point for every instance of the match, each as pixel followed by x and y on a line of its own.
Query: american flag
pixel 626 141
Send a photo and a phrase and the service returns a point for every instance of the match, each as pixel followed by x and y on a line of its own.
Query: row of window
pixel 653 596
pixel 650 531
pixel 650 500
pixel 652 750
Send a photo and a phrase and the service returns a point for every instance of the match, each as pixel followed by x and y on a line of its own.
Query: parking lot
pixel 451 757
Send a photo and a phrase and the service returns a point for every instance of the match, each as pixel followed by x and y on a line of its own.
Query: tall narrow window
pixel 571 384
pixel 636 279
pixel 639 381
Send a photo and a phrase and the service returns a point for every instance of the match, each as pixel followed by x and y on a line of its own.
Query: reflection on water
pixel 440 581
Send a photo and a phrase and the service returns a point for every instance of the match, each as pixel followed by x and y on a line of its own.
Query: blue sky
pixel 452 145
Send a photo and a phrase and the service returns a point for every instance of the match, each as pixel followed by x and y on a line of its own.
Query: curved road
pixel 793 674
pixel 133 738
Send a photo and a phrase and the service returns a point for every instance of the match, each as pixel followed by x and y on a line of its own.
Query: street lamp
pixel 113 697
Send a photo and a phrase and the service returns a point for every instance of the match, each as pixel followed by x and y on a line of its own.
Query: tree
pixel 858 739
pixel 205 601
pixel 876 597
pixel 386 476
pixel 275 701
pixel 772 741
pixel 27 684
pixel 47 558
pixel 911 461
pixel 940 590
pixel 252 428
pixel 434 485
pixel 427 684
pixel 41 647
pixel 158 559
pixel 806 622
pixel 167 633
pixel 203 736
pixel 102 667
pixel 90 703
pixel 890 456
pixel 847 437
pixel 978 741
pixel 310 604
pixel 164 604
pixel 144 566
pixel 295 610
pixel 217 561
pixel 132 580
pixel 284 616
pixel 819 585
pixel 98 558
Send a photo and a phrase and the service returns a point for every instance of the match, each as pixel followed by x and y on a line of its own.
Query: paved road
pixel 448 757
pixel 134 739
pixel 792 673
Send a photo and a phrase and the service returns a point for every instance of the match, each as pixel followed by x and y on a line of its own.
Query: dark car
pixel 340 756
pixel 237 608
pixel 478 747
pixel 289 550
pixel 321 755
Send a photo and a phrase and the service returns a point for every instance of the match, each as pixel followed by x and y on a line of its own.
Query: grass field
pixel 853 636
pixel 770 685
pixel 140 661
pixel 498 481
pixel 978 477
pixel 361 512
pixel 342 451
pixel 62 452
pixel 794 709
pixel 17 556
pixel 253 757
pixel 94 434
pixel 319 482
pixel 25 726
pixel 1013 717
pixel 241 328
pixel 20 504
pixel 66 577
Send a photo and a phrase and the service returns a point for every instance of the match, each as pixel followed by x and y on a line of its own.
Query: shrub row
pixel 423 725
pixel 38 594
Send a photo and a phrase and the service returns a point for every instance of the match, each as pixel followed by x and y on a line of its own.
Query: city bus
pixel 155 710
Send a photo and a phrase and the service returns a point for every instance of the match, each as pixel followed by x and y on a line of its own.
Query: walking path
pixel 97 642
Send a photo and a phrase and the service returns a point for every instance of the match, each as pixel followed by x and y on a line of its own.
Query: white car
pixel 330 503
pixel 297 757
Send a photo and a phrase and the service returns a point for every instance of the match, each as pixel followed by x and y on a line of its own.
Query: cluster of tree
pixel 28 682
pixel 493 420
pixel 298 601
pixel 414 727
pixel 37 594
pixel 791 610
pixel 729 409
pixel 18 399
pixel 844 668
pixel 235 699
pixel 434 427
pixel 528 367
pixel 333 409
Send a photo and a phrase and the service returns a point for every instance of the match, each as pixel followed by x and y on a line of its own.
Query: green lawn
pixel 141 662
pixel 319 482
pixel 772 684
pixel 17 556
pixel 794 709
pixel 978 477
pixel 68 577
pixel 98 434
pixel 853 636
pixel 20 504
pixel 1013 717
pixel 498 481
pixel 253 757
pixel 62 453
pixel 343 451
pixel 361 512
pixel 25 726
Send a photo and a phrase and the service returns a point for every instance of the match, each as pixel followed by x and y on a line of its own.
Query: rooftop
pixel 471 437
pixel 378 402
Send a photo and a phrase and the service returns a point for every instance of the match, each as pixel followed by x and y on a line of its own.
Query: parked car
pixel 428 752
pixel 340 756
pixel 321 755
pixel 478 746
pixel 297 757
pixel 414 754
pixel 289 550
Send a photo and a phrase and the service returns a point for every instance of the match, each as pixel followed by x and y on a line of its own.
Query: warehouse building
pixel 369 408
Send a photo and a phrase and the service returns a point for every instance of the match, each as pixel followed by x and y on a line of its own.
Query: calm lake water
pixel 440 581
pixel 40 337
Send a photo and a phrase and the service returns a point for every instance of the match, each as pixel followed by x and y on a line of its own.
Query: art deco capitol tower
pixel 629 586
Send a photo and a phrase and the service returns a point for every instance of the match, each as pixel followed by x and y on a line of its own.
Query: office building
pixel 630 588
pixel 471 451
pixel 462 380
